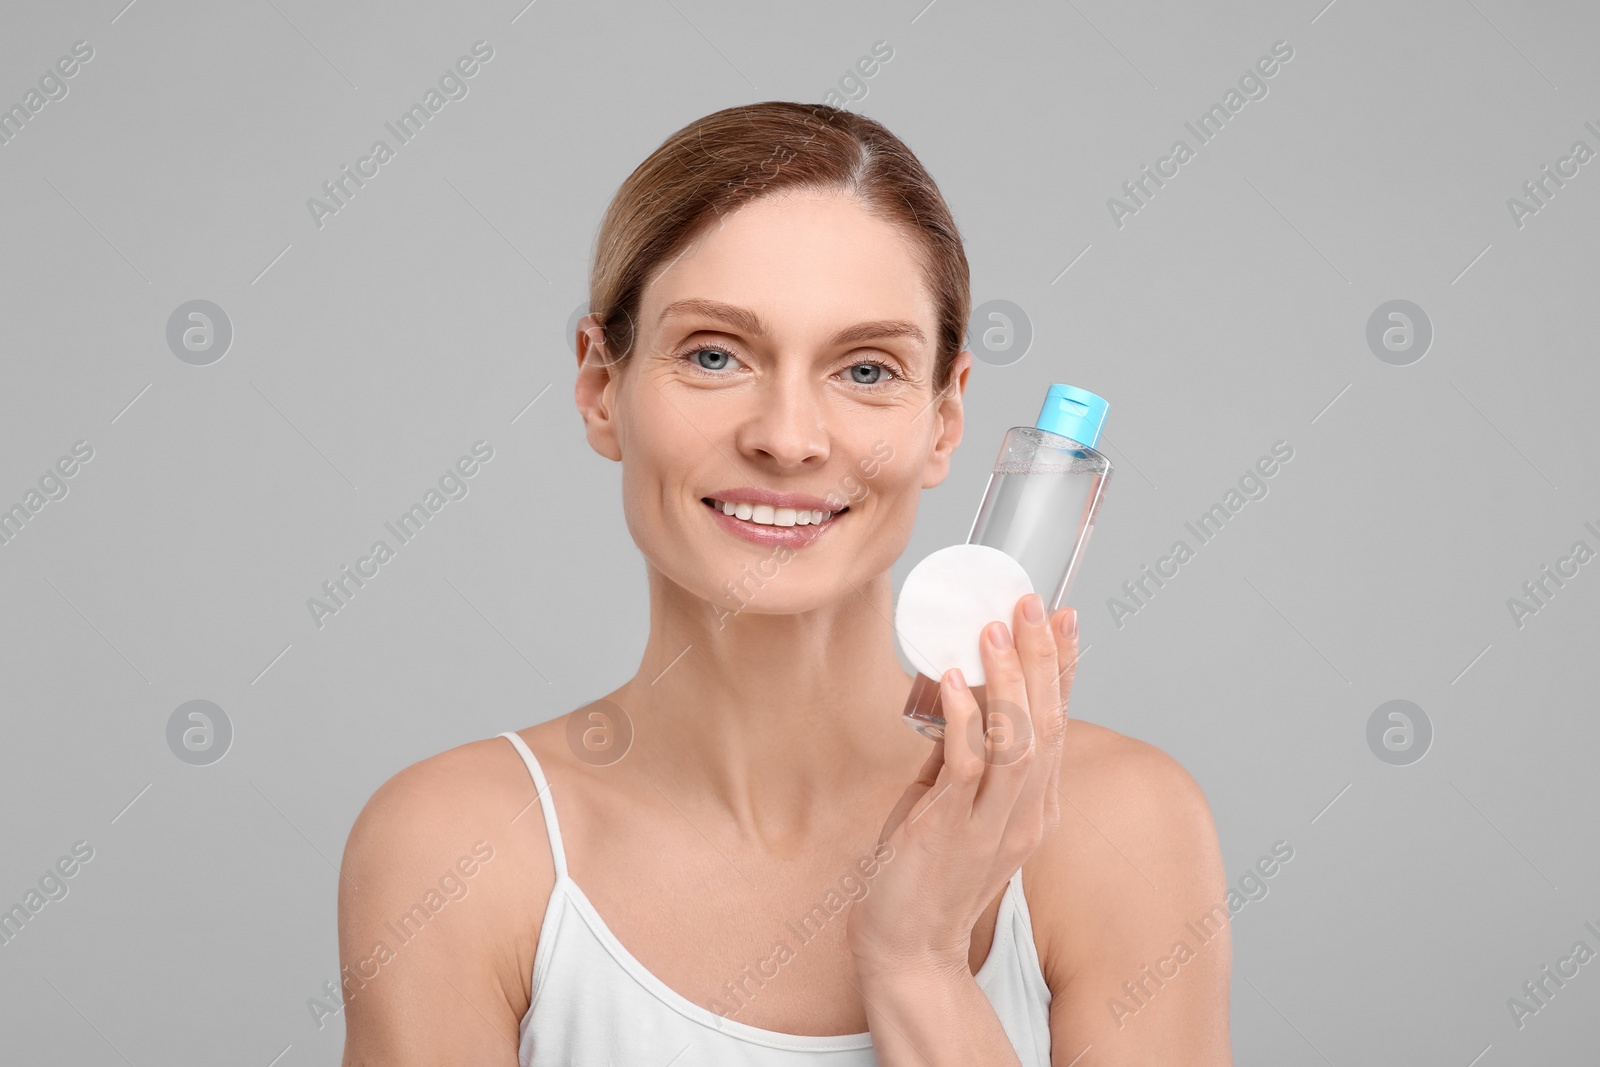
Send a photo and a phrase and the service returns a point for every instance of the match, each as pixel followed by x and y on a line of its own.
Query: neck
pixel 777 721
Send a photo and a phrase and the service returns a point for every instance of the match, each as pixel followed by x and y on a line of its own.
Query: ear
pixel 949 421
pixel 596 388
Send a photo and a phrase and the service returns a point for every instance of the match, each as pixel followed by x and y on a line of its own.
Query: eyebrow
pixel 749 322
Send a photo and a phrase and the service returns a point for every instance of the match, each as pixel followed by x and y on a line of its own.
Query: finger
pixel 915 791
pixel 950 797
pixel 1009 728
pixel 1064 629
pixel 931 765
pixel 1065 632
pixel 1036 648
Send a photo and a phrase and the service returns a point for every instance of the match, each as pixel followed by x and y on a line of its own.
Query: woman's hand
pixel 981 805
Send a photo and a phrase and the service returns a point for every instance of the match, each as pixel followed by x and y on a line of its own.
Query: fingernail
pixel 1069 623
pixel 957 682
pixel 998 635
pixel 1033 608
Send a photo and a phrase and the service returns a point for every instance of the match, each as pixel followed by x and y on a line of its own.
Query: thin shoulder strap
pixel 546 802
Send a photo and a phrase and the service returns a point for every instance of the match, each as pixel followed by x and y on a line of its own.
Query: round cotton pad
pixel 948 599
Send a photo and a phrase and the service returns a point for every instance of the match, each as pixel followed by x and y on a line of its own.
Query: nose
pixel 787 426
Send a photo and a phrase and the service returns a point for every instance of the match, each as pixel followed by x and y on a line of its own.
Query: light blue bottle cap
pixel 1073 412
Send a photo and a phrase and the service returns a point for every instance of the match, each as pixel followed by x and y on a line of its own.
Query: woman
pixel 765 865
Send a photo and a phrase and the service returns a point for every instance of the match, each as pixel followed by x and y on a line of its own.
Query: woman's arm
pixel 1132 909
pixel 428 928
pixel 980 808
pixel 1132 872
pixel 934 1018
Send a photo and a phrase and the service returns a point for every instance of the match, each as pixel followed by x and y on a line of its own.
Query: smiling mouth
pixel 767 515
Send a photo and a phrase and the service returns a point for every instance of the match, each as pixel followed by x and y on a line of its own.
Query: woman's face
pixel 788 351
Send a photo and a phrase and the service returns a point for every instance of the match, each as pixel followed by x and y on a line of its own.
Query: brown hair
pixel 719 163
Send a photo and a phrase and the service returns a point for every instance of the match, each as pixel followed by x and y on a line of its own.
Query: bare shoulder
pixel 462 785
pixel 444 878
pixel 1131 880
pixel 1105 766
pixel 1136 838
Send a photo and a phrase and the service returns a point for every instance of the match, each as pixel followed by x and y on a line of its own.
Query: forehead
pixel 802 262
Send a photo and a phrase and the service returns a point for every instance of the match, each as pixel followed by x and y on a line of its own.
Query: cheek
pixel 890 496
pixel 666 464
pixel 890 465
pixel 647 492
pixel 659 446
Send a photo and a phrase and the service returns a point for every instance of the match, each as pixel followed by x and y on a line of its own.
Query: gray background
pixel 1227 314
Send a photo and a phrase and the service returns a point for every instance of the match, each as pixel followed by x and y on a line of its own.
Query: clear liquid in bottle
pixel 1039 508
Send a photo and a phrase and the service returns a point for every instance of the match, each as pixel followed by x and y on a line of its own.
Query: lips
pixel 768 515
pixel 793 535
pixel 754 494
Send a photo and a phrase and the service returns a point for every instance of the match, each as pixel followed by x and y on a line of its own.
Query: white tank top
pixel 594 1003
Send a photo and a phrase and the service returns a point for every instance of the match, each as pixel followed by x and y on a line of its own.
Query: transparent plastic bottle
pixel 1039 508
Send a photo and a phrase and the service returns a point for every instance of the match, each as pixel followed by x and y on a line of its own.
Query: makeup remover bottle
pixel 1039 508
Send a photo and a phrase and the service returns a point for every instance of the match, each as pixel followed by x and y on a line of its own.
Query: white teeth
pixel 767 515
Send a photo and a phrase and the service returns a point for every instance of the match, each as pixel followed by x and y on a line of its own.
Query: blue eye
pixel 693 355
pixel 720 358
pixel 889 373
